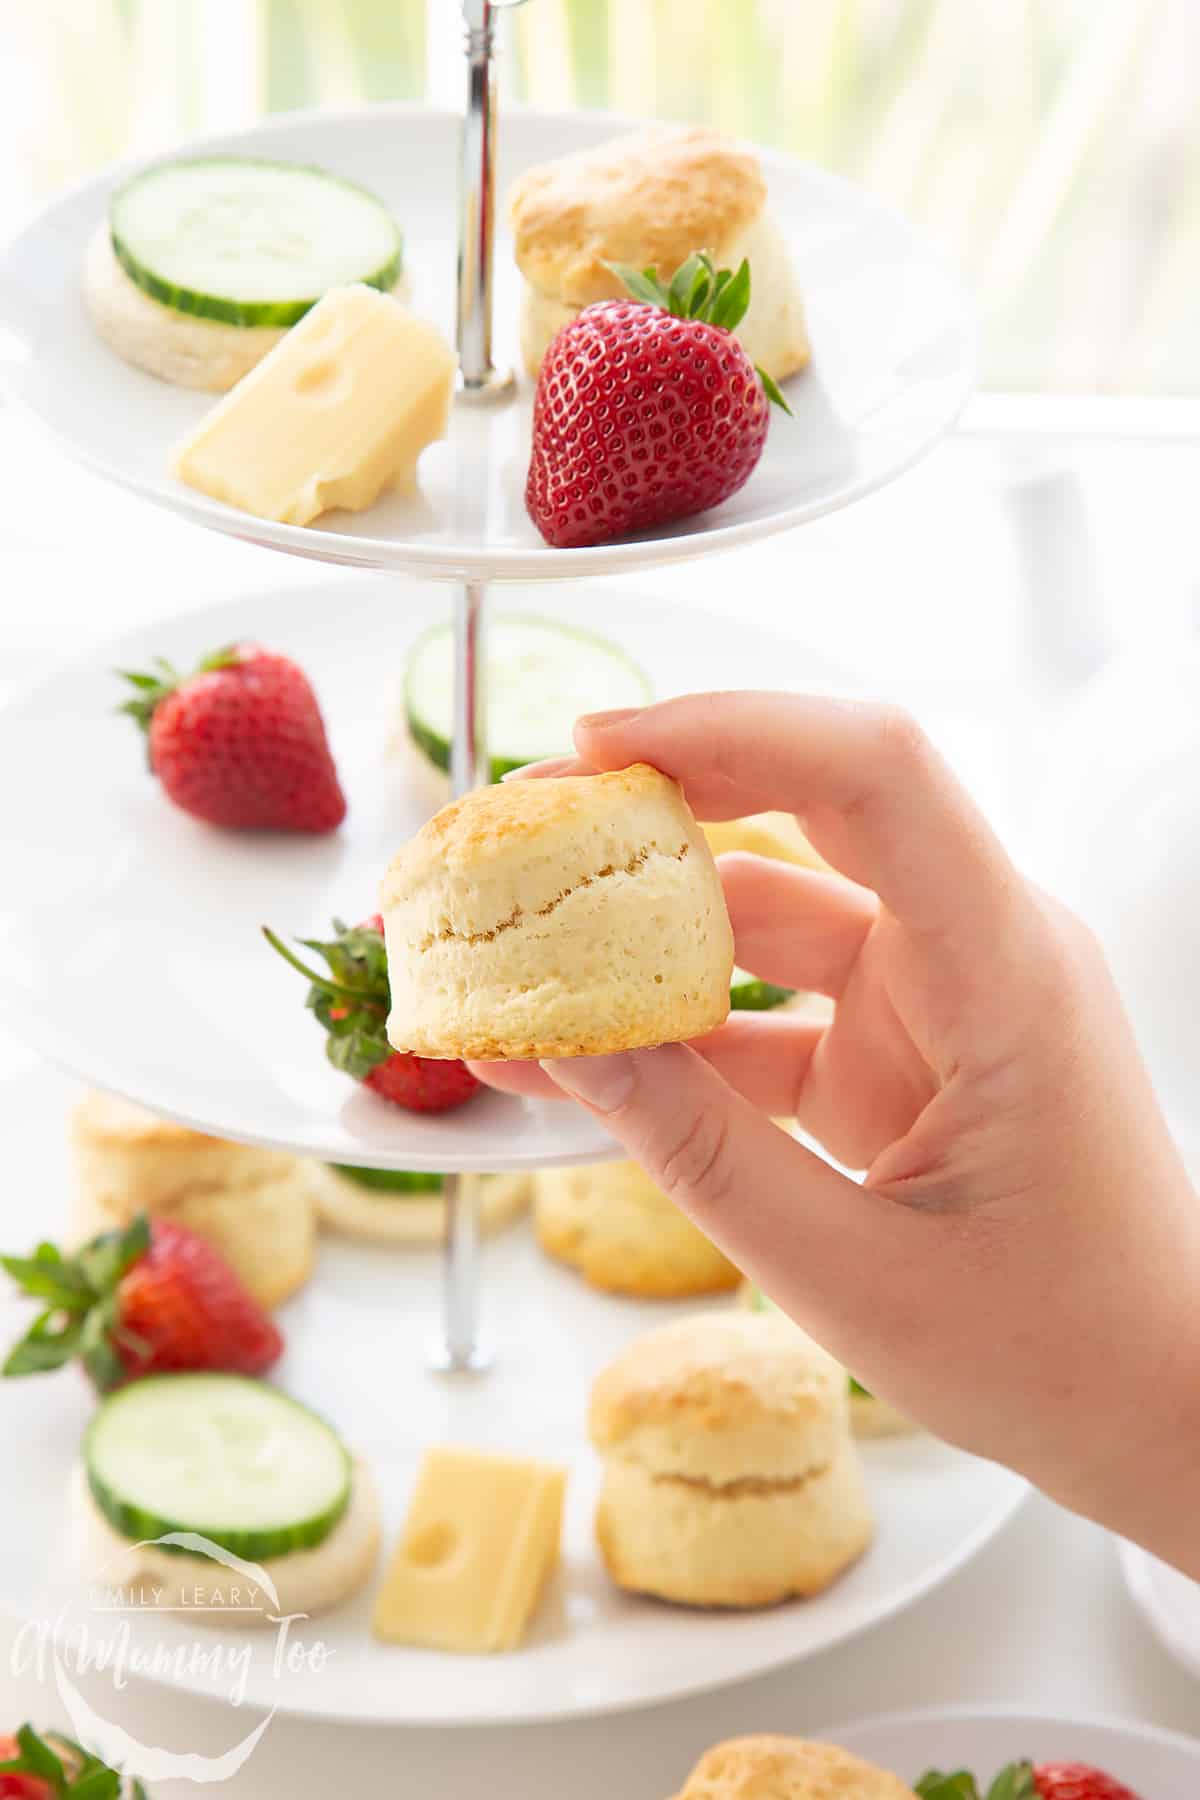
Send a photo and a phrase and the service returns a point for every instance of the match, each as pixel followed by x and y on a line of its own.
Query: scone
pixel 376 1216
pixel 772 834
pixel 623 1234
pixel 781 1768
pixel 556 918
pixel 257 1207
pixel 650 199
pixel 730 1475
pixel 870 1417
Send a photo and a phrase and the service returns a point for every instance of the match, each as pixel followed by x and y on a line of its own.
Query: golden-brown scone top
pixel 782 1768
pixel 650 198
pixel 723 1397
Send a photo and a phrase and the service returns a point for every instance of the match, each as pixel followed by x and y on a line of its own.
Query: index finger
pixel 873 795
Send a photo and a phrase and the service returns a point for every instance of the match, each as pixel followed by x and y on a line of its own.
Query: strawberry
pixel 353 1007
pixel 141 1301
pixel 1027 1781
pixel 647 409
pixel 54 1768
pixel 240 741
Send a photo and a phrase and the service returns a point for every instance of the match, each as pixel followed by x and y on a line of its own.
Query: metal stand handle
pixel 478 378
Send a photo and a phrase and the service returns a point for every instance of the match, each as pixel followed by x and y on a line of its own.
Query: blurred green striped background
pixel 1053 146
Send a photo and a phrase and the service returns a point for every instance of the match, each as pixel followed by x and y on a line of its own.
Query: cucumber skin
pixel 273 314
pixel 758 996
pixel 390 1181
pixel 139 1526
pixel 438 750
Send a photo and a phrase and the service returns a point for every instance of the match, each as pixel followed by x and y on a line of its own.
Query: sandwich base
pixel 306 1581
pixel 417 1220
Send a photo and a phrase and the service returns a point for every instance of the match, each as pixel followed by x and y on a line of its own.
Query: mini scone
pixel 416 1216
pixel 650 199
pixel 782 1768
pixel 257 1207
pixel 556 918
pixel 730 1475
pixel 613 1224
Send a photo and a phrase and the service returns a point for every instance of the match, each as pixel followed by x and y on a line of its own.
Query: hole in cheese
pixel 317 375
pixel 432 1545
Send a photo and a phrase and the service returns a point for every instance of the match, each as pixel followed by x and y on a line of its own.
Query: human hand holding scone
pixel 1020 1267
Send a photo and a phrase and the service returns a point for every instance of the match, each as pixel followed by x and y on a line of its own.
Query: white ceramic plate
pixel 890 324
pixel 129 942
pixel 1167 1600
pixel 355 1342
pixel 1157 1765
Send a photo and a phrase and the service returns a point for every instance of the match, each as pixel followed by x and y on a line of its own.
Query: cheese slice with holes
pixel 338 411
pixel 480 1541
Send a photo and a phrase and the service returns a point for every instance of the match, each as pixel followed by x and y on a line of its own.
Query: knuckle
pixel 699 1161
pixel 899 739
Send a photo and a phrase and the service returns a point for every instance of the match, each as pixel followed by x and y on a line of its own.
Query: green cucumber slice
pixel 540 677
pixel 390 1181
pixel 231 1459
pixel 248 242
pixel 748 994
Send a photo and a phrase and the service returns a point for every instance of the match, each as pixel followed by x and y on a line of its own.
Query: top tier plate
pixel 891 328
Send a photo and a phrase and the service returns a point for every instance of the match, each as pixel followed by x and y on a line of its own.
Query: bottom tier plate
pixel 355 1340
pixel 1168 1601
pixel 1162 1765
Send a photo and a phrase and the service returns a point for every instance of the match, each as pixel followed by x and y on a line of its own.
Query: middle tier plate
pixel 130 950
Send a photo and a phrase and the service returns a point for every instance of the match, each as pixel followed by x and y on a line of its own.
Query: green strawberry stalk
pixel 54 1767
pixel 352 1003
pixel 697 290
pixel 1014 1783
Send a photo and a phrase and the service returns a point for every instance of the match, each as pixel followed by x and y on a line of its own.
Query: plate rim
pixel 991 1712
pixel 1136 1565
pixel 538 562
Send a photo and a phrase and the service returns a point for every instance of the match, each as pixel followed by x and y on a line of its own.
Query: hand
pixel 1020 1267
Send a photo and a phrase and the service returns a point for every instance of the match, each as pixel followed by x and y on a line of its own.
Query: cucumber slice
pixel 748 994
pixel 229 1458
pixel 540 677
pixel 390 1181
pixel 249 243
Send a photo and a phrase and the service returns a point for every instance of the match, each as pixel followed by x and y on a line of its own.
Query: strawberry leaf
pixel 1014 1783
pixel 82 1314
pixel 935 1786
pixel 151 690
pixel 771 390
pixel 36 1758
pixel 352 1002
pixel 643 284
pixel 729 308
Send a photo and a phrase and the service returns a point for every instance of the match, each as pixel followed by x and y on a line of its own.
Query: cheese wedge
pixel 479 1542
pixel 338 411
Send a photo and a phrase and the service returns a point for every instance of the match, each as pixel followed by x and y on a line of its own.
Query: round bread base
pixel 745 1545
pixel 305 1582
pixel 414 1219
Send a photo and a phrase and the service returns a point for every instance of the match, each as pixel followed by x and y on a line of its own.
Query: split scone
pixel 414 1215
pixel 556 918
pixel 257 1207
pixel 730 1475
pixel 782 1768
pixel 650 199
pixel 623 1234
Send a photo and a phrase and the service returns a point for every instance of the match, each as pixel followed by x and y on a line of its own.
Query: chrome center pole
pixel 478 377
pixel 460 1346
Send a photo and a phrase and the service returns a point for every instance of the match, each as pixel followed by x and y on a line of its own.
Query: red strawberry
pixel 647 409
pixel 1025 1781
pixel 34 1767
pixel 240 742
pixel 142 1301
pixel 353 1007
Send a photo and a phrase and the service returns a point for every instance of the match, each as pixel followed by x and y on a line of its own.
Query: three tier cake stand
pixel 129 948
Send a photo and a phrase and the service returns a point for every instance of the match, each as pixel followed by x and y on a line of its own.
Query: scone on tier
pixel 257 1207
pixel 650 199
pixel 557 918
pixel 416 1215
pixel 781 1768
pixel 623 1234
pixel 730 1475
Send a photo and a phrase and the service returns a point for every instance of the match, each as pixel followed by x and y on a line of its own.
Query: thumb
pixel 800 1229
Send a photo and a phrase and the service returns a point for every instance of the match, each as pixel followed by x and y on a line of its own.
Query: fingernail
pixel 601 720
pixel 550 766
pixel 601 1082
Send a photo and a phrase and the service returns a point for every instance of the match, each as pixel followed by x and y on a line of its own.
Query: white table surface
pixel 980 591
